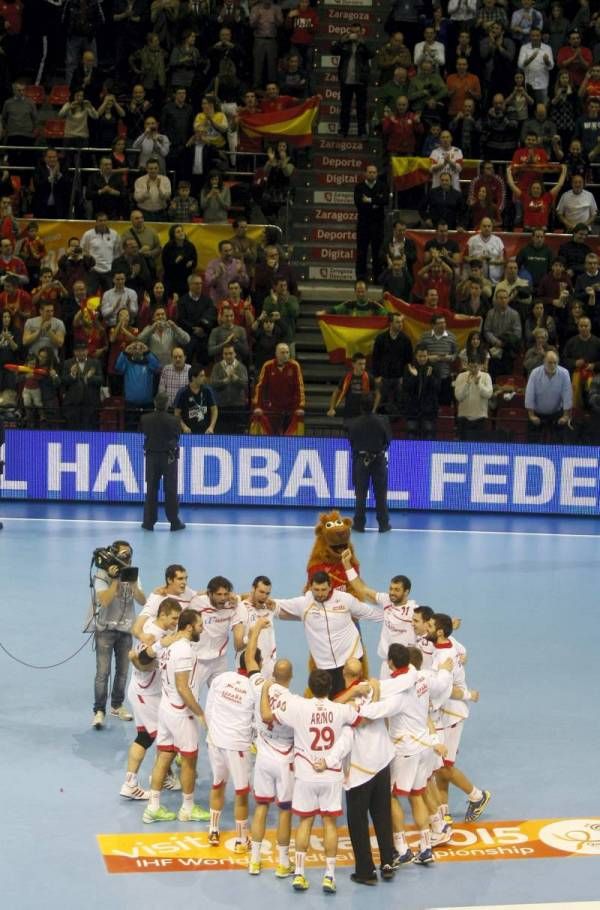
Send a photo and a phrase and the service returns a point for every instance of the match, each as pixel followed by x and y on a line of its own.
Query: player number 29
pixel 324 738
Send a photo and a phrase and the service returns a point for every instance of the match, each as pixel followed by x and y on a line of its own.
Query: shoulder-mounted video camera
pixel 106 558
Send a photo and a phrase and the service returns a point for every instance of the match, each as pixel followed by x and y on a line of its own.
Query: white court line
pixel 311 527
pixel 562 905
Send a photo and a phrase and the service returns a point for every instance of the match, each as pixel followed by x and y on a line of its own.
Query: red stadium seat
pixel 54 129
pixel 59 95
pixel 35 93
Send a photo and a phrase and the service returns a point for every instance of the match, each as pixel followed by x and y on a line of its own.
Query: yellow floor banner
pixel 189 851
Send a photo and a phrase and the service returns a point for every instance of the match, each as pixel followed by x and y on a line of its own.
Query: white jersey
pixel 408 726
pixel 266 638
pixel 150 608
pixel 274 739
pixel 330 631
pixel 426 648
pixel 317 724
pixel 217 624
pixel 177 658
pixel 371 748
pixel 397 624
pixel 230 709
pixel 147 682
pixel 452 710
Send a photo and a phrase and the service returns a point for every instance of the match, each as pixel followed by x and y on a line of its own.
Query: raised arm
pixel 363 592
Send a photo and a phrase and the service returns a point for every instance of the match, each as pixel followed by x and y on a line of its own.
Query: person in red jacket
pixel 402 129
pixel 279 394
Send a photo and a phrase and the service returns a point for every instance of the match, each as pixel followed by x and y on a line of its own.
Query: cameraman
pixel 75 265
pixel 113 617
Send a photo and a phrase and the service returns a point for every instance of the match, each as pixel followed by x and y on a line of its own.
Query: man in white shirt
pixel 176 588
pixel 398 610
pixel 446 159
pixel 317 723
pixel 273 773
pixel 488 248
pixel 473 390
pixel 144 693
pixel 577 205
pixel 179 719
pixel 536 61
pixel 104 245
pixel 221 615
pixel 230 709
pixel 152 192
pixel 430 49
pixel 328 616
pixel 118 298
pixel 256 606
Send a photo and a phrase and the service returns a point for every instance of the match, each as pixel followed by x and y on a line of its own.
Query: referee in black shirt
pixel 161 446
pixel 369 437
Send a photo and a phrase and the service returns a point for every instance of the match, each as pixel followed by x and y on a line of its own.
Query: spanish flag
pixel 408 172
pixel 345 335
pixel 294 124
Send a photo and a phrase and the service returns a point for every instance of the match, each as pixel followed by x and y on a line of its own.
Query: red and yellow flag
pixel 417 320
pixel 414 171
pixel 294 124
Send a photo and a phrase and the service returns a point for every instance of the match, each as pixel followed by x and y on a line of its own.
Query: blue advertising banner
pixel 296 471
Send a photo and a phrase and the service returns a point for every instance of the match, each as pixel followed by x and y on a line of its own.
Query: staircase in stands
pixel 322 227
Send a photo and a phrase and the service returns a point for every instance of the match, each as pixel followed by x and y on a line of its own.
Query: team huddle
pixel 376 739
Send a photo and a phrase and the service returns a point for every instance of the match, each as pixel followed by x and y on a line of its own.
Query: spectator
pixel 587 288
pixel 279 169
pixel 587 127
pixel 438 276
pixel 488 248
pixel 359 305
pixel 19 119
pixel 548 400
pixel 227 332
pixel 267 334
pixel 152 192
pixel 401 129
pixel 473 303
pixel 195 405
pixel 11 265
pixel 228 64
pixel 462 86
pixel 17 302
pixel 148 64
pixel 500 130
pixel 524 20
pixel 49 290
pixel 391 55
pixel 493 183
pixel 88 330
pixel 82 21
pixel 186 63
pixel 582 351
pixel 474 351
pixel 442 242
pixel 556 288
pixel 76 266
pixel 183 206
pixel 519 102
pixel 442 350
pixel 104 191
pixel 266 19
pixel 539 319
pixel 10 350
pixel 285 309
pixel 31 248
pixel 574 59
pixel 401 245
pixel 223 269
pixel 563 109
pixel 570 326
pixel 427 91
pixel 370 199
pixel 174 376
pixel 540 126
pixel 353 74
pixel 162 336
pixel 303 22
pixel 229 381
pixel 467 130
pixel 81 380
pixel 350 390
pixel 519 288
pixel 116 298
pixel 138 367
pixel 431 50
pixel 279 392
pixel 576 159
pixel 120 337
pixel 77 114
pixel 212 123
pixel 536 354
pixel 392 351
pixel 152 146
pixel 197 315
pixel 146 239
pixel 420 394
pixel 243 311
pixel 472 390
pixel 159 297
pixel 244 247
pixel 137 110
pixel 481 207
pixel 102 244
pixel 177 119
pixel 179 258
pixel 498 53
pixel 503 333
pixel 44 331
pixel 557 27
pixel 197 160
pixel 577 207
pixel 40 390
pixel 389 93
pixel 294 80
pixel 443 203
pixel 397 278
pixel 134 266
pixel 590 86
pixel 215 200
pixel 574 251
pixel 537 202
pixel 51 188
pixel 536 256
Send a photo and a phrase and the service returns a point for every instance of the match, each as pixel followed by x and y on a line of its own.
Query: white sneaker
pixel 133 791
pixel 172 782
pixel 122 713
pixel 98 721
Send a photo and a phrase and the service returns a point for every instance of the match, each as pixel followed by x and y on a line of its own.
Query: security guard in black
pixel 369 437
pixel 161 446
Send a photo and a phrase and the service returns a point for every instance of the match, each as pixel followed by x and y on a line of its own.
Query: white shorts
pixel 410 773
pixel 206 672
pixel 177 731
pixel 273 779
pixel 229 763
pixel 145 709
pixel 435 761
pixel 313 798
pixel 450 736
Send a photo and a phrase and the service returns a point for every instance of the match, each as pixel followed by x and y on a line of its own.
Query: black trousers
pixel 364 472
pixel 347 92
pixel 159 466
pixel 368 234
pixel 371 798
